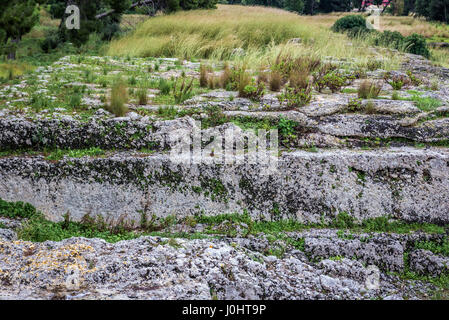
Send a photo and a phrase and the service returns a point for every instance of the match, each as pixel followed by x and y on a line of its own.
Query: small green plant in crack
pixel 355 105
pixel 253 91
pixel 295 97
pixel 426 103
pixel 336 258
pixel 343 221
pixel 437 247
pixel 286 128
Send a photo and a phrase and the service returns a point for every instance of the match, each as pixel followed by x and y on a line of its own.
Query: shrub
pixel 119 98
pixel 359 32
pixel 299 91
pixel 369 90
pixel 416 44
pixel 414 80
pixel 17 210
pixel 254 91
pixel 319 76
pixel 334 81
pixel 350 22
pixel 389 39
pixel 286 127
pixel 295 97
pixel 397 81
pixel 50 42
pixel 373 65
pixel 396 84
pixel 355 105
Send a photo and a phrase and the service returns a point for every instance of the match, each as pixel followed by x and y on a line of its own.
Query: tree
pixel 310 7
pixel 439 10
pixel 294 5
pixel 17 18
pixel 104 16
pixel 433 9
pixel 422 7
pixel 334 5
pixel 396 7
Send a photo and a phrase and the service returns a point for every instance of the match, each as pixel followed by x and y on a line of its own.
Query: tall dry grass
pixel 261 31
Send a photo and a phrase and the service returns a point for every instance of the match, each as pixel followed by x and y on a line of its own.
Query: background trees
pixel 17 18
pixel 433 9
pixel 103 16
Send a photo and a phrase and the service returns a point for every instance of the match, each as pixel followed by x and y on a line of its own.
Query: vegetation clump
pixel 369 89
pixel 119 99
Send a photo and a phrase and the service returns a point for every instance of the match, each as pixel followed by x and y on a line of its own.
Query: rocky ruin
pixel 385 158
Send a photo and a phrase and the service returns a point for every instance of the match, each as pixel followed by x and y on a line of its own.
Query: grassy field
pixel 262 32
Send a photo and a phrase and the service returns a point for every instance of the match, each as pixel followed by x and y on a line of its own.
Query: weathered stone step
pixel 408 184
pixel 127 134
pixel 115 133
pixel 372 126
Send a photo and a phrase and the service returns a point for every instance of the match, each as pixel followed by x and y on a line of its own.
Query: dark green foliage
pixel 50 42
pixel 17 209
pixel 106 26
pixel 254 91
pixel 349 22
pixel 355 25
pixel 335 5
pixel 294 5
pixel 286 127
pixel 433 9
pixel 112 10
pixel 416 44
pixel 173 6
pixel 389 39
pixel 17 18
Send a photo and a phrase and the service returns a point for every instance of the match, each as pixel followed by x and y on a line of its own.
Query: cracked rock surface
pixel 157 268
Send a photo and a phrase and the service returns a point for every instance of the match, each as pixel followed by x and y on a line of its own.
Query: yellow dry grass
pixel 261 31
